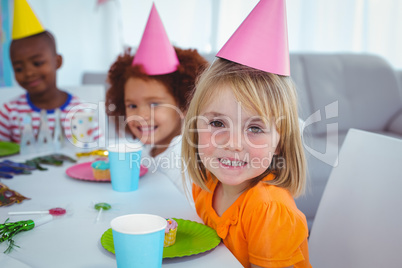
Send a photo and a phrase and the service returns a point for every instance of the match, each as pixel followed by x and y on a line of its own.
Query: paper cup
pixel 82 125
pixel 125 161
pixel 138 240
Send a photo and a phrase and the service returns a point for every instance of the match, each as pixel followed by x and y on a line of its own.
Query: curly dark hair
pixel 179 83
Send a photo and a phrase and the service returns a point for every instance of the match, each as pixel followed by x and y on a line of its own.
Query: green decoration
pixel 101 207
pixel 104 206
pixel 9 229
pixel 52 159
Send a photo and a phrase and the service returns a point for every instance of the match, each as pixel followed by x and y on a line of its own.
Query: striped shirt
pixel 13 112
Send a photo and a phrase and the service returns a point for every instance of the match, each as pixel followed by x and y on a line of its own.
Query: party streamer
pixel 10 229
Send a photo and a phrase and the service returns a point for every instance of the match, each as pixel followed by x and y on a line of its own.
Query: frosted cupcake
pixel 101 170
pixel 170 233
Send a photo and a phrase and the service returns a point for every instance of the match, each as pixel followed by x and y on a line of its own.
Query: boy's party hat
pixel 25 22
pixel 155 53
pixel 261 41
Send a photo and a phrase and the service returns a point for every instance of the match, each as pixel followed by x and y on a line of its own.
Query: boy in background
pixel 35 62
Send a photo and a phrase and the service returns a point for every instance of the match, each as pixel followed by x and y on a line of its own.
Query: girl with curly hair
pixel 153 100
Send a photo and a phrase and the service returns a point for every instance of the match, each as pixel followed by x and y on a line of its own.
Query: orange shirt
pixel 263 226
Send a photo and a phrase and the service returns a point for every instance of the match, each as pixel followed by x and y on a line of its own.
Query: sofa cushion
pixel 365 87
pixel 298 74
pixel 395 125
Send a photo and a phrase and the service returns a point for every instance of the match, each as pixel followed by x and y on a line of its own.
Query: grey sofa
pixel 338 92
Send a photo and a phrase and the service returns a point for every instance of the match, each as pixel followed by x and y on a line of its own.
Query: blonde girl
pixel 243 152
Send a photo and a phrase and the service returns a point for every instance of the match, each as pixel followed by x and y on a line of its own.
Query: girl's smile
pixel 151 112
pixel 234 164
pixel 147 130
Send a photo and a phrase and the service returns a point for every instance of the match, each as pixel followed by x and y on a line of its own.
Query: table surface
pixel 73 240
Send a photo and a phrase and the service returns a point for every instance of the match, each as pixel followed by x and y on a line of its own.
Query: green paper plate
pixel 191 238
pixel 8 148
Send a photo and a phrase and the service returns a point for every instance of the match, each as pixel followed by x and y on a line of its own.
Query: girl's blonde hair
pixel 273 97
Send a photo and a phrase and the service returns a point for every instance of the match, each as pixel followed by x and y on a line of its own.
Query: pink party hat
pixel 261 41
pixel 155 53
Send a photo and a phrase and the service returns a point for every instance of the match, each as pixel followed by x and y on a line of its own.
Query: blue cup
pixel 138 240
pixel 125 161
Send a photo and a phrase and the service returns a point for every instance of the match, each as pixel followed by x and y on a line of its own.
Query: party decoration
pixel 25 23
pixel 82 128
pixel 52 159
pixel 9 197
pixel 28 141
pixel 26 169
pixel 10 229
pixel 58 136
pixel 101 207
pixel 100 152
pixel 5 175
pixel 10 169
pixel 44 140
pixel 7 168
pixel 155 52
pixel 261 41
pixel 35 165
pixel 53 211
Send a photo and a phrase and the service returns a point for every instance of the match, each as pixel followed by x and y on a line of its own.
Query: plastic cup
pixel 82 125
pixel 125 161
pixel 138 240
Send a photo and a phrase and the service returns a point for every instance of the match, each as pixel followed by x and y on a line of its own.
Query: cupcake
pixel 100 170
pixel 170 233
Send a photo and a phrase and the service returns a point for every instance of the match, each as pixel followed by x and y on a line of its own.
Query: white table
pixel 73 240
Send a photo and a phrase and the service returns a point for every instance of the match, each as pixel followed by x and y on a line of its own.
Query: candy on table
pixel 9 197
pixel 53 211
pixel 101 207
pixel 9 229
